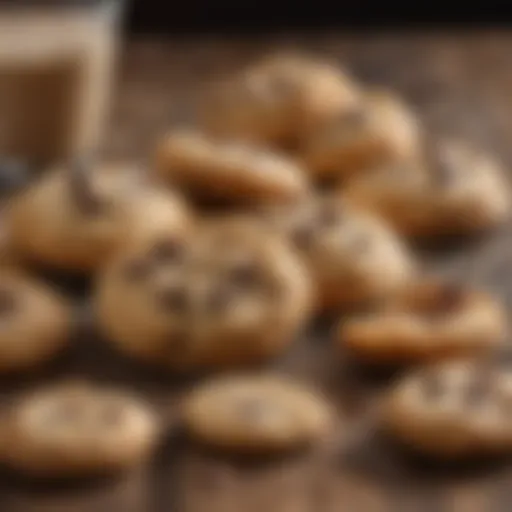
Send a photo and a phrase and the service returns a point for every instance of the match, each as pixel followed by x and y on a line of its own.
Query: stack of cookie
pixel 323 182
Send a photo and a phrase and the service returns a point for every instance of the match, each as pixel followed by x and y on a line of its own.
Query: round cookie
pixel 234 294
pixel 431 321
pixel 75 430
pixel 73 218
pixel 354 257
pixel 231 170
pixel 255 415
pixel 451 410
pixel 454 190
pixel 35 323
pixel 276 100
pixel 376 131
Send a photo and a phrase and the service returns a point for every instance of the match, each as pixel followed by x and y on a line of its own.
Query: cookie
pixel 76 430
pixel 451 411
pixel 255 415
pixel 277 100
pixel 35 322
pixel 454 190
pixel 73 218
pixel 431 321
pixel 230 170
pixel 354 257
pixel 233 294
pixel 376 131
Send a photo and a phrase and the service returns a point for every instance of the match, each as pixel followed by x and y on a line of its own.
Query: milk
pixel 56 70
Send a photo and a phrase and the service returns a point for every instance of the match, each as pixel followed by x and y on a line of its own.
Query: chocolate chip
pixel 136 270
pixel 7 302
pixel 244 274
pixel 173 299
pixel 447 301
pixel 451 296
pixel 303 236
pixel 167 251
pixel 81 189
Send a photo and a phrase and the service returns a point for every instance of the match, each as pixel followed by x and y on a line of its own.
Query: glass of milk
pixel 57 61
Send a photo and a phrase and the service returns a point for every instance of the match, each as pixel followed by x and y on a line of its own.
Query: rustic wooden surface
pixel 459 84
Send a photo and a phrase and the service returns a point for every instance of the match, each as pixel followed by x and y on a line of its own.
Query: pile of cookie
pixel 322 182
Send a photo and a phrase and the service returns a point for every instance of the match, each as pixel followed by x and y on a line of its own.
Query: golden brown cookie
pixel 35 322
pixel 233 294
pixel 354 257
pixel 452 410
pixel 72 430
pixel 256 414
pixel 431 321
pixel 376 131
pixel 230 170
pixel 155 213
pixel 453 190
pixel 277 100
pixel 75 217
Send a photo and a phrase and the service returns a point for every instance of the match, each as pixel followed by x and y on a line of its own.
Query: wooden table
pixel 460 84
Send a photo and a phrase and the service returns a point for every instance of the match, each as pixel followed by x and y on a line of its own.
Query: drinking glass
pixel 57 62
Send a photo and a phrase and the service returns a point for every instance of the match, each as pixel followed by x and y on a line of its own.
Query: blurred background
pixel 164 16
pixel 442 58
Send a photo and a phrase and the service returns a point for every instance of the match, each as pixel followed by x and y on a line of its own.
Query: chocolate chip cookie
pixel 233 294
pixel 256 414
pixel 454 189
pixel 35 322
pixel 376 131
pixel 431 321
pixel 277 100
pixel 354 257
pixel 229 170
pixel 77 429
pixel 452 410
pixel 73 218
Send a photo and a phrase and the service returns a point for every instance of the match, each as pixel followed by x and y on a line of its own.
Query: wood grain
pixel 460 84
